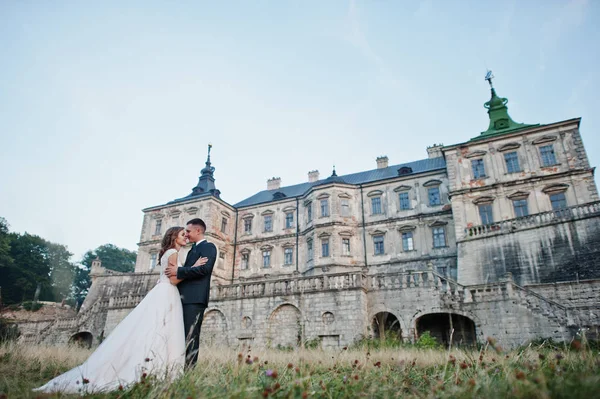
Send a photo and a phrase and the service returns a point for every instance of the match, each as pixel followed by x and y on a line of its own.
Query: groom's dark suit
pixel 194 291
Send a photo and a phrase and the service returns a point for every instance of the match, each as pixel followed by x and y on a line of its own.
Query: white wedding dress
pixel 149 340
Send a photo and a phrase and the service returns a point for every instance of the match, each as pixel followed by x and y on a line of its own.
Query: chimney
pixel 435 151
pixel 382 162
pixel 313 176
pixel 274 183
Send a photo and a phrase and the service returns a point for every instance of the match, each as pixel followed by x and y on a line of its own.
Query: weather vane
pixel 489 76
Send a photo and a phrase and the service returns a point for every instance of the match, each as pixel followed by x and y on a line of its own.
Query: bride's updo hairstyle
pixel 168 240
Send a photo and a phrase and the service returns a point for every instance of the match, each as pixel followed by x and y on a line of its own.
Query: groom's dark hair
pixel 198 222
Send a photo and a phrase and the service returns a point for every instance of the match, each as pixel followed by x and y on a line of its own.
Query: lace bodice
pixel 164 262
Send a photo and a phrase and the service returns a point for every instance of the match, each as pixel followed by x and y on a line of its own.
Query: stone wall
pixel 543 248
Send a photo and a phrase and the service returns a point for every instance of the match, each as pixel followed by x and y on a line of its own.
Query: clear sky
pixel 107 107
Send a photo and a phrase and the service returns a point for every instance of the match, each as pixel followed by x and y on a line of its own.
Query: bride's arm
pixel 173 262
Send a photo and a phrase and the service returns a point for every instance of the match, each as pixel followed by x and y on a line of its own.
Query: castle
pixel 498 236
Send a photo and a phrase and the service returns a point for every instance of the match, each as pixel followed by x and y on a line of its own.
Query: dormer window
pixel 278 195
pixel 405 170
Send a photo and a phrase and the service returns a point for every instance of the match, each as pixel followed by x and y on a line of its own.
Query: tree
pixel 28 262
pixel 112 257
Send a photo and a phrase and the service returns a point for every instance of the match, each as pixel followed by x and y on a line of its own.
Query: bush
pixel 8 331
pixel 426 341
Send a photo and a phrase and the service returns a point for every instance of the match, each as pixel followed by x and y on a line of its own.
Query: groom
pixel 195 287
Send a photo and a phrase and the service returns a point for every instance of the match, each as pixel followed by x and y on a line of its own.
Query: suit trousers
pixel 193 313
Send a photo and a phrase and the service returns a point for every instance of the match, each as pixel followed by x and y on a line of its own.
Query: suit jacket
pixel 195 287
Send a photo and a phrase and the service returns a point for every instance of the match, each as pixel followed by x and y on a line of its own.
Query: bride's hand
pixel 201 262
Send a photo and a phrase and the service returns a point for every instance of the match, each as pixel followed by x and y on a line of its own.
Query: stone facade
pixel 495 237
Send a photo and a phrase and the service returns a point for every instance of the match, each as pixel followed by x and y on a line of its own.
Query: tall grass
pixel 540 371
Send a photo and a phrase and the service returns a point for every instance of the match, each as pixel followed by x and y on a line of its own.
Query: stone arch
pixel 382 308
pixel 386 325
pixel 82 338
pixel 214 328
pixel 285 327
pixel 440 326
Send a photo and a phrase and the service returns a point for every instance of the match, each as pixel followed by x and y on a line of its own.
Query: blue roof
pixel 421 166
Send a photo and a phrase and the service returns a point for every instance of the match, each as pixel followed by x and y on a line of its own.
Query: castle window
pixel 558 201
pixel 378 243
pixel 376 206
pixel 325 247
pixel 346 246
pixel 324 207
pixel 434 196
pixel 404 201
pixel 547 155
pixel 153 260
pixel 288 255
pixel 224 225
pixel 158 227
pixel 345 207
pixel 309 212
pixel 407 241
pixel 486 214
pixel 289 220
pixel 520 207
pixel 268 223
pixel 248 226
pixel 478 168
pixel 512 162
pixel 266 258
pixel 439 237
pixel 309 247
pixel 245 261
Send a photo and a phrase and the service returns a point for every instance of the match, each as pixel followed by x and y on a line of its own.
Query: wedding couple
pixel 161 335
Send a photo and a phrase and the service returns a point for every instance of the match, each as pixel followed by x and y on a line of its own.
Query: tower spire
pixel 206 181
pixel 500 120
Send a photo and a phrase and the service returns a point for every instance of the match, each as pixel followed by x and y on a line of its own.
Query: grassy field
pixel 537 371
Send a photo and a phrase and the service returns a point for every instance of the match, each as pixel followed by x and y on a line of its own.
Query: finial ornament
pixel 489 76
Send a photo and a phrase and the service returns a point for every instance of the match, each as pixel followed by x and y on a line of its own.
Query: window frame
pixel 288 251
pixel 520 206
pixel 324 205
pixel 514 161
pixel 289 224
pixel 405 236
pixel 376 205
pixel 400 200
pixel 486 214
pixel 379 244
pixel 325 245
pixel 266 255
pixel 248 226
pixel 544 155
pixel 346 249
pixel 439 195
pixel 564 200
pixel 442 233
pixel 158 227
pixel 478 166
pixel 270 219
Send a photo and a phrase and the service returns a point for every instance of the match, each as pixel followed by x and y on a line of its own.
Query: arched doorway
pixel 441 325
pixel 83 339
pixel 214 328
pixel 386 326
pixel 285 328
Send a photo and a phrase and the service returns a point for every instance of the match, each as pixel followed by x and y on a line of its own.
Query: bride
pixel 149 341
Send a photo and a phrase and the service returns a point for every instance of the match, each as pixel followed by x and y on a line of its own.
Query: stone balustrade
pixel 289 286
pixel 535 220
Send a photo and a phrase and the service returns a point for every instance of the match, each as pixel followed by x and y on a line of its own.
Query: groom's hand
pixel 171 271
